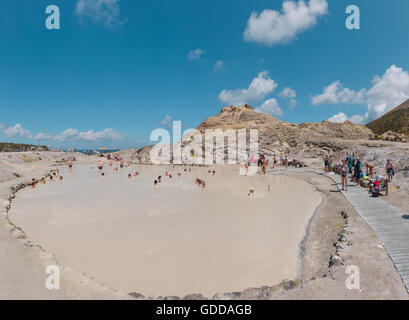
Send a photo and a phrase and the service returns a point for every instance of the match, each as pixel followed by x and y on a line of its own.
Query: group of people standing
pixel 351 166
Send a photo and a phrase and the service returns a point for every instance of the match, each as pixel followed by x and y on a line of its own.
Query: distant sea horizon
pixel 91 151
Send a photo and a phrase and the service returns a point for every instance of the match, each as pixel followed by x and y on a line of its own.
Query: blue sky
pixel 116 70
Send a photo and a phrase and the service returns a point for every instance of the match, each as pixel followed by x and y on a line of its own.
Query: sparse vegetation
pixel 16 147
pixel 396 120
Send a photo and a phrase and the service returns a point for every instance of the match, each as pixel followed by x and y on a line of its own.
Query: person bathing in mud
pixel 200 183
pixel 33 183
pixel 263 168
pixel 69 164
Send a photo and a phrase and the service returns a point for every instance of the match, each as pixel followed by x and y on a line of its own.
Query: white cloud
pixel 342 117
pixel 219 65
pixel 195 54
pixel 106 12
pixel 335 93
pixel 273 27
pixel 387 92
pixel 292 103
pixel 16 131
pixel 288 93
pixel 74 135
pixel 270 106
pixel 166 120
pixel 259 88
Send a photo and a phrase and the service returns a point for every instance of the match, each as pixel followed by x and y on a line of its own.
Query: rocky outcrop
pixel 391 136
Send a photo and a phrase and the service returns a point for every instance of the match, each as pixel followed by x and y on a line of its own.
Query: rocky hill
pixel 280 136
pixel 396 121
pixel 277 136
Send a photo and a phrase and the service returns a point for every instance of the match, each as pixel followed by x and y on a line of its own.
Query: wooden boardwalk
pixel 389 223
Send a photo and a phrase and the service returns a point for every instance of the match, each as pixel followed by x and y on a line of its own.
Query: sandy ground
pixel 174 238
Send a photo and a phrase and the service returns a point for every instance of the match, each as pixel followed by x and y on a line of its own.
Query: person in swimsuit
pixel 331 164
pixel 326 163
pixel 344 175
pixel 100 165
pixel 122 164
pixel 263 168
pixel 389 170
pixel 70 164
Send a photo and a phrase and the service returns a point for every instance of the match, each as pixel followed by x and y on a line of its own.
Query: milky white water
pixel 175 238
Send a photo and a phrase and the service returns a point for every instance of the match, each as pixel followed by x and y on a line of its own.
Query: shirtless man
pixel 100 165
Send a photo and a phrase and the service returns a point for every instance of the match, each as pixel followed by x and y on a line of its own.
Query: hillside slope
pixel 396 120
